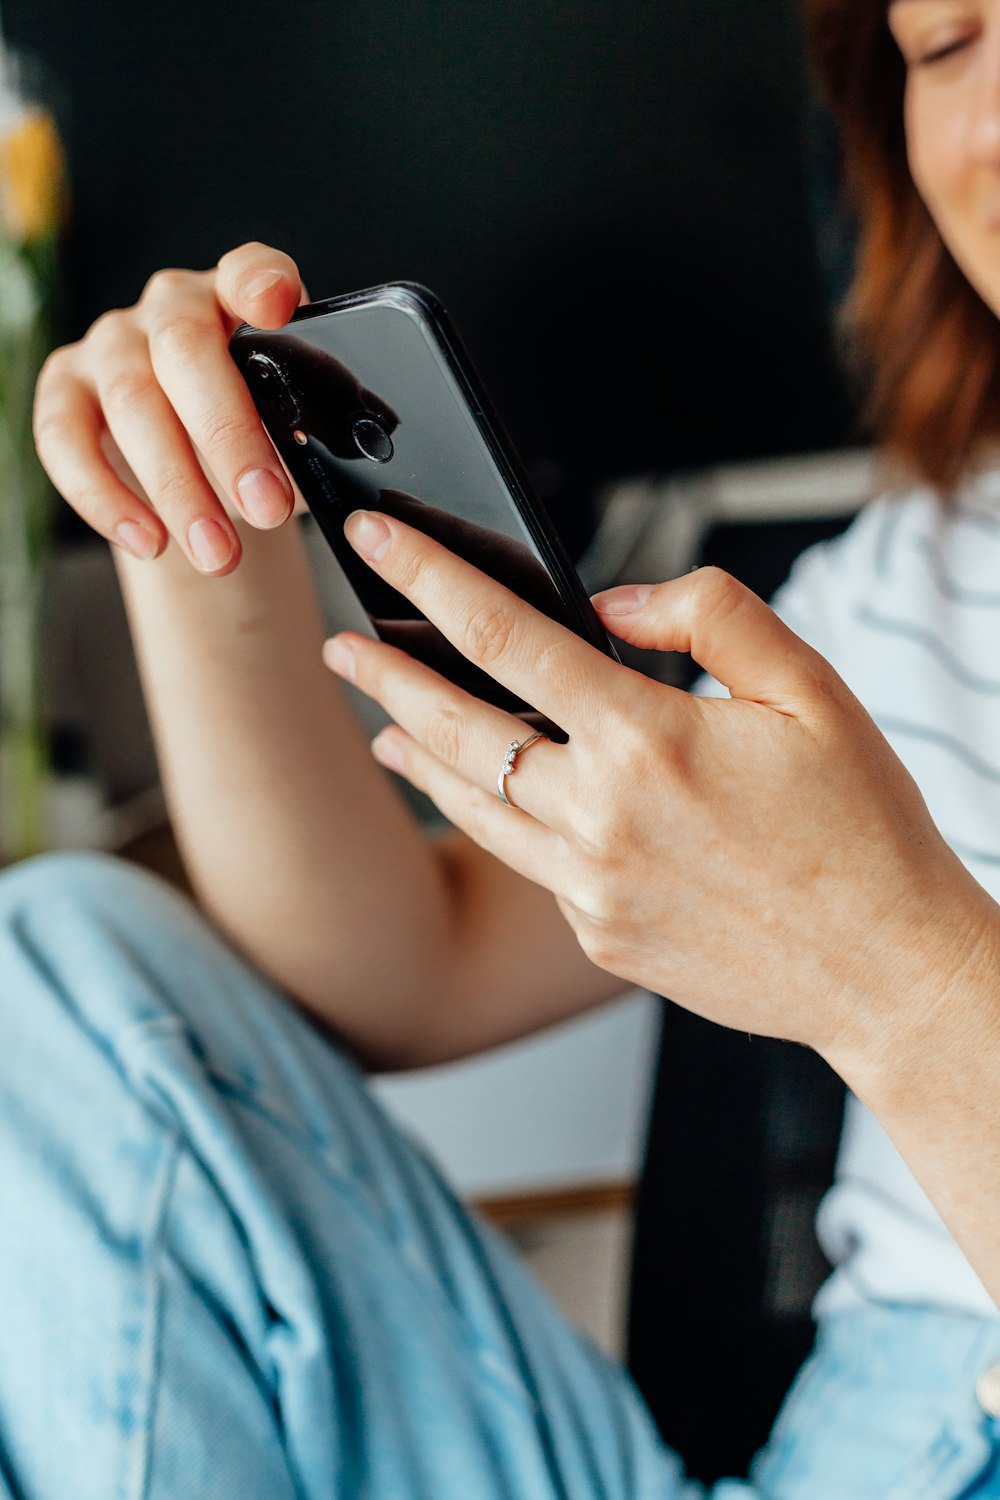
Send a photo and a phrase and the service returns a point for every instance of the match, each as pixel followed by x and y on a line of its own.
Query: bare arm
pixel 299 847
pixel 930 1072
pixel 295 840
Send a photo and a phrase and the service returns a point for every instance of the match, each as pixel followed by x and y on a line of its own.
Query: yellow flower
pixel 32 177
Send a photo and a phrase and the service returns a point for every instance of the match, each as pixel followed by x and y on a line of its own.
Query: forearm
pixel 933 1081
pixel 295 841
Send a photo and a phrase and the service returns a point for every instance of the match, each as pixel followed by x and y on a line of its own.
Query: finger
pixel 156 448
pixel 462 732
pixel 260 285
pixel 516 838
pixel 68 428
pixel 726 627
pixel 541 661
pixel 189 354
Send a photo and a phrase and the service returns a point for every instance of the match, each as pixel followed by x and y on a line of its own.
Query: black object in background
pixel 740 1148
pixel 609 196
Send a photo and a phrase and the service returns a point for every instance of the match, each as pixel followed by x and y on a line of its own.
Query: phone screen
pixel 368 407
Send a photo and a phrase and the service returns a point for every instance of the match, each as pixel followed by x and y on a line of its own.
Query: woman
pixel 231 1276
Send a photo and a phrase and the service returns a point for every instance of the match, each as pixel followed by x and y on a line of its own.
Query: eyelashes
pixel 940 54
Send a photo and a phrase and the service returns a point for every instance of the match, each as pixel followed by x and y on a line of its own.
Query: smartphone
pixel 372 402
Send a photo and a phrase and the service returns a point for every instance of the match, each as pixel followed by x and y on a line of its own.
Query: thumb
pixel 725 626
pixel 259 285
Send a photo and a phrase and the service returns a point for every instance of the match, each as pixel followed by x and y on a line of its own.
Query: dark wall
pixel 609 195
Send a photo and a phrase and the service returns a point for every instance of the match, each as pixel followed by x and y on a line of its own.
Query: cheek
pixel 933 141
pixel 945 174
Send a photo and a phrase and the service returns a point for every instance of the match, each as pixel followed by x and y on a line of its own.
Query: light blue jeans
pixel 227 1276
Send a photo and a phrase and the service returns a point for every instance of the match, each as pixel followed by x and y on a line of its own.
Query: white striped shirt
pixel 906 606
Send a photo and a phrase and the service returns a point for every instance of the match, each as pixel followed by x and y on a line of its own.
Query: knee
pixel 82 878
pixel 53 899
pixel 75 974
pixel 93 941
pixel 50 890
pixel 92 930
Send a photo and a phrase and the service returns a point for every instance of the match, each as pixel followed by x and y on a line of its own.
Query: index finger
pixel 541 661
pixel 260 285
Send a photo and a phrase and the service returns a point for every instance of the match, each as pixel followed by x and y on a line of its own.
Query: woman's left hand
pixel 765 859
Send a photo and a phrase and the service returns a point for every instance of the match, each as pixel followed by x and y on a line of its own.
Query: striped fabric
pixel 906 606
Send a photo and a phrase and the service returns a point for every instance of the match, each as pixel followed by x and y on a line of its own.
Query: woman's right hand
pixel 156 383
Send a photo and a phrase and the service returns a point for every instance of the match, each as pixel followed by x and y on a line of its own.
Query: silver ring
pixel 509 761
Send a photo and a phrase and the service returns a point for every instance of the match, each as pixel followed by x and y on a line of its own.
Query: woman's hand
pixel 764 860
pixel 154 385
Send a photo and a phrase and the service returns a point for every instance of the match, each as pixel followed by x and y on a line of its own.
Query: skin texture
pixel 713 850
pixel 765 860
pixel 952 52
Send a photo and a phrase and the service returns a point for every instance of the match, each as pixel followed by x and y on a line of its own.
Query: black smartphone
pixel 372 402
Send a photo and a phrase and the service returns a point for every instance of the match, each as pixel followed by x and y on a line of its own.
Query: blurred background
pixel 629 209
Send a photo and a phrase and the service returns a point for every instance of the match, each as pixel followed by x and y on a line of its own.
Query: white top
pixel 906 606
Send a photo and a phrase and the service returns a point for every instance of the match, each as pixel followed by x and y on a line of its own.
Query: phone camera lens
pixel 273 383
pixel 372 439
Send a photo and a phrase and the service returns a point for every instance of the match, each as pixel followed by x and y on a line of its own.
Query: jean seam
pixel 140 1464
pixel 493 1364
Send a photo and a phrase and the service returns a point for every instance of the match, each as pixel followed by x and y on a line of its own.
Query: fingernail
pixel 367 534
pixel 388 751
pixel 257 285
pixel 622 601
pixel 137 540
pixel 211 547
pixel 340 658
pixel 263 496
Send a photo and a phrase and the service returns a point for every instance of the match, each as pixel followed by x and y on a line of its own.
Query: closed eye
pixel 941 53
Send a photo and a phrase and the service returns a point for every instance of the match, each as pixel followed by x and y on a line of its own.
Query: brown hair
pixel 926 344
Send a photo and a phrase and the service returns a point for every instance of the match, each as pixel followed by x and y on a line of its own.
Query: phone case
pixel 372 402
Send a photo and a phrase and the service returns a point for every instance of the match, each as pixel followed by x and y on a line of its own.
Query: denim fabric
pixel 225 1273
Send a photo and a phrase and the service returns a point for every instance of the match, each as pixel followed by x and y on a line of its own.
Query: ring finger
pixel 466 734
pixel 516 838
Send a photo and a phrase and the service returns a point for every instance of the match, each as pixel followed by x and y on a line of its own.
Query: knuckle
pixel 227 428
pixel 54 367
pixel 108 328
pixel 87 498
pixel 180 336
pixel 48 427
pixel 663 761
pixel 126 389
pixel 174 485
pixel 445 733
pixel 473 817
pixel 598 943
pixel 633 730
pixel 596 832
pixel 718 591
pixel 48 422
pixel 464 807
pixel 490 634
pixel 413 573
pixel 559 662
pixel 165 285
pixel 826 689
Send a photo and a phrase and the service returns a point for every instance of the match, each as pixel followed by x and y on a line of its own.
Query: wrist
pixel 934 1013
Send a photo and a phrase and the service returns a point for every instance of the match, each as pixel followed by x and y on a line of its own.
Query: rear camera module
pixel 372 440
pixel 274 386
